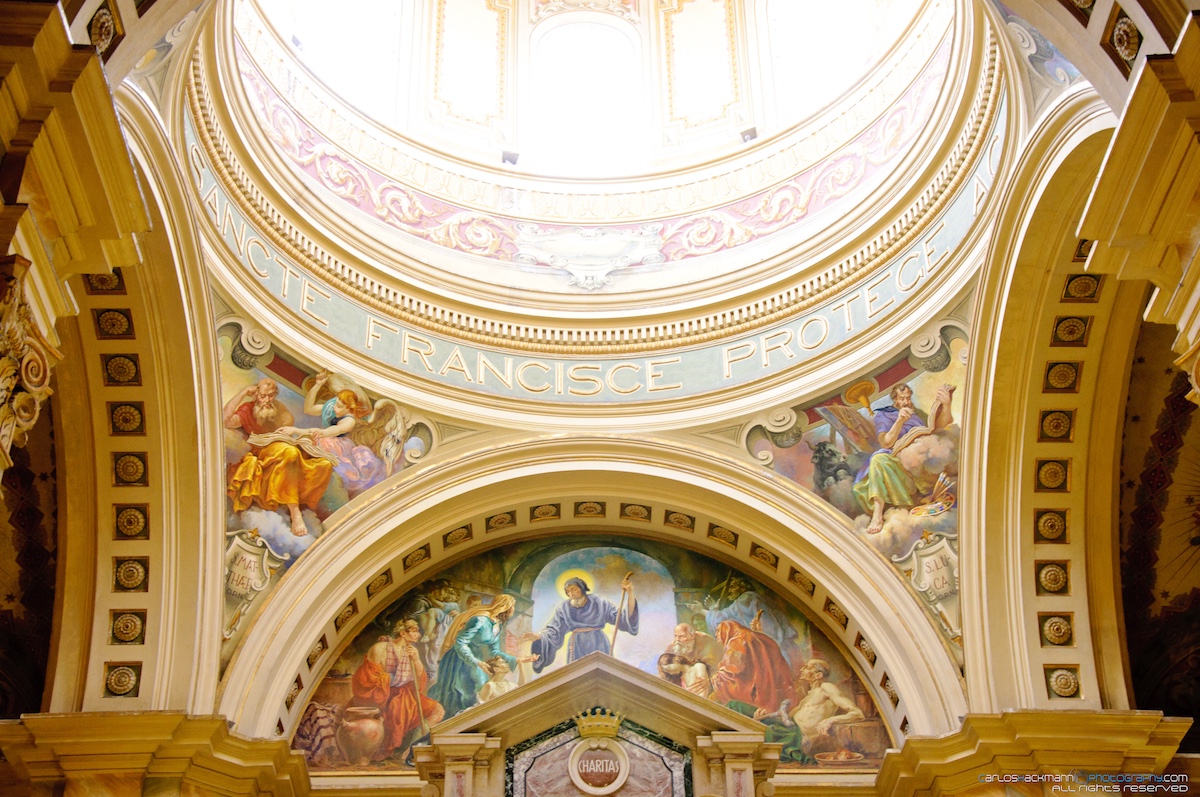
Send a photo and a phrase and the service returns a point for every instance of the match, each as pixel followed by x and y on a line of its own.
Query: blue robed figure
pixel 584 617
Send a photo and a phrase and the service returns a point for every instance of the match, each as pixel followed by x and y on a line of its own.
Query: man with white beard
pixel 257 409
pixel 279 474
pixel 694 656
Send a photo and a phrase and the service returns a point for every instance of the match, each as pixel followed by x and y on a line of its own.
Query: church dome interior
pixel 506 398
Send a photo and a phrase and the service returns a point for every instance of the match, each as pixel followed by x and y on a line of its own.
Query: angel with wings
pixel 291 466
pixel 366 441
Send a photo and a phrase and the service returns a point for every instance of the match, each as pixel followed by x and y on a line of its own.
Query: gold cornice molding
pixel 1029 743
pixel 65 158
pixel 173 751
pixel 1141 214
pixel 467 324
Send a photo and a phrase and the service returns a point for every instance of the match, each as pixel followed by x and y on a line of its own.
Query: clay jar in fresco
pixel 359 734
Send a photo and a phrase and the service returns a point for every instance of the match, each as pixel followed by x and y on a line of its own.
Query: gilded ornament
pixel 545 512
pixel 26 407
pixel 126 418
pixel 104 282
pixel 764 556
pixel 131 574
pixel 835 611
pixel 1083 286
pixel 589 508
pixel 316 651
pixel 500 521
pixel 379 582
pixel 1052 475
pixel 345 615
pixel 121 369
pixel 292 694
pixel 635 512
pixel 416 557
pixel 1064 683
pixel 455 537
pixel 1126 39
pixel 680 520
pixel 1084 4
pixel 1057 630
pixel 802 581
pixel 1070 330
pixel 129 468
pixel 113 323
pixel 890 689
pixel 1056 424
pixel 35 372
pixel 121 680
pixel 102 29
pixel 1053 577
pixel 127 627
pixel 723 534
pixel 131 521
pixel 1051 525
pixel 865 648
pixel 1062 376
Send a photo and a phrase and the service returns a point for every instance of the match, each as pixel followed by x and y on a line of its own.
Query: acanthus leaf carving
pixel 26 358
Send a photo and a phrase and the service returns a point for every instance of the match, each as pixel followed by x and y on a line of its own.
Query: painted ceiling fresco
pixel 884 451
pixel 300 442
pixel 489 625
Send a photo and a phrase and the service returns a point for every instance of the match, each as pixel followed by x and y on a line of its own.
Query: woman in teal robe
pixel 474 637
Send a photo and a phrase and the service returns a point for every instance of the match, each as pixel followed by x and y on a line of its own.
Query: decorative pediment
pixel 722 751
pixel 600 680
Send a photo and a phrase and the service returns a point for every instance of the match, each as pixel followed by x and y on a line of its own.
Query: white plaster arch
pixel 190 527
pixel 387 523
pixel 1059 161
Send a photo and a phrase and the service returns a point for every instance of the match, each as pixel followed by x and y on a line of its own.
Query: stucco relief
pixel 543 9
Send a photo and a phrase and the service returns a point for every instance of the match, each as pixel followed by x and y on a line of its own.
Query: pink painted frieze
pixel 779 210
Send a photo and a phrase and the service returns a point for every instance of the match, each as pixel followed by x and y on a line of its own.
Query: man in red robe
pixel 752 670
pixel 392 679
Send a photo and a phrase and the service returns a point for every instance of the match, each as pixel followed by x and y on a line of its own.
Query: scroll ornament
pixel 26 358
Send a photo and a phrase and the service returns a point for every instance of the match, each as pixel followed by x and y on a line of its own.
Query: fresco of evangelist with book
pixel 300 443
pixel 884 451
pixel 483 628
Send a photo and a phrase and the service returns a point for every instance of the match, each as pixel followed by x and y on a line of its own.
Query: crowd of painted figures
pixel 442 658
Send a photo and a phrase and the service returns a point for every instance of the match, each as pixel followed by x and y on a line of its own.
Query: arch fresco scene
pixel 703 626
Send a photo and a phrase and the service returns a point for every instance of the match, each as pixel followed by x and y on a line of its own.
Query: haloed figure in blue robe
pixel 584 617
